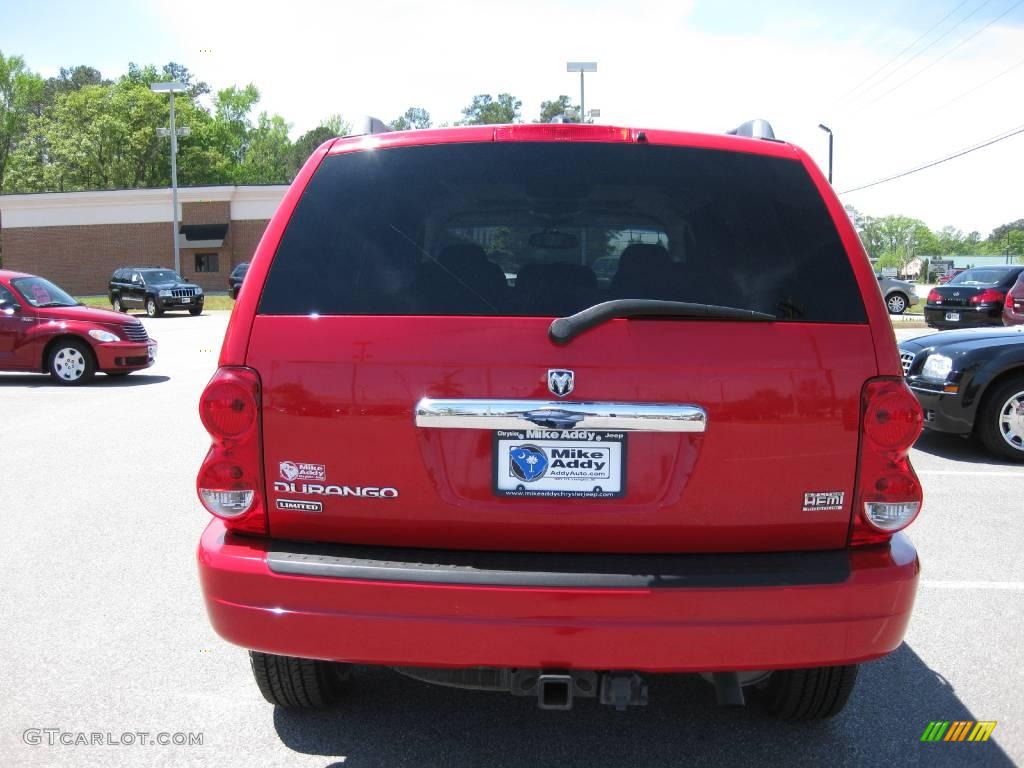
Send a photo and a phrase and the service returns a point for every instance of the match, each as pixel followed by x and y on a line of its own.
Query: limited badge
pixel 294 505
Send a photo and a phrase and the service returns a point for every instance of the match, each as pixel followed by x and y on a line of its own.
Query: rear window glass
pixel 980 276
pixel 548 229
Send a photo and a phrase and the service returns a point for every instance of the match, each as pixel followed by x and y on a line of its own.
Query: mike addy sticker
pixel 300 470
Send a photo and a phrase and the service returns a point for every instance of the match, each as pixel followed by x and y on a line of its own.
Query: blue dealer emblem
pixel 527 462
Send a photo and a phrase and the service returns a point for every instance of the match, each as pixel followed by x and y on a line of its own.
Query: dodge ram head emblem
pixel 560 381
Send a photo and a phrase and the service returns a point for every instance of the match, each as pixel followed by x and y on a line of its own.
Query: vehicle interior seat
pixel 556 289
pixel 645 272
pixel 463 280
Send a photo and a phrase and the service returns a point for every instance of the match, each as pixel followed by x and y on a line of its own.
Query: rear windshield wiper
pixel 565 329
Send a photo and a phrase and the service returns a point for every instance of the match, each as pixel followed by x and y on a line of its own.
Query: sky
pixel 900 83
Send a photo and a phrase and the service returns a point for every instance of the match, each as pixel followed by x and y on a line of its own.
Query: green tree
pixel 1007 239
pixel 887 261
pixel 95 137
pixel 560 106
pixel 69 79
pixel 19 91
pixel 304 146
pixel 485 110
pixel 231 108
pixel 870 232
pixel 181 74
pixel 414 118
pixel 268 153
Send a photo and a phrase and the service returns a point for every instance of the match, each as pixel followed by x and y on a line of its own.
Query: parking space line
pixel 959 473
pixel 1006 586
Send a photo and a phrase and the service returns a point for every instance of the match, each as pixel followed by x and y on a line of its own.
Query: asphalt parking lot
pixel 104 630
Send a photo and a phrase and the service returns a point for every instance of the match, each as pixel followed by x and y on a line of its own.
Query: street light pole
pixel 174 187
pixel 171 89
pixel 581 67
pixel 828 130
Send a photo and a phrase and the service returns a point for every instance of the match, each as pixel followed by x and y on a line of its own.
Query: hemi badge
pixel 823 501
pixel 300 506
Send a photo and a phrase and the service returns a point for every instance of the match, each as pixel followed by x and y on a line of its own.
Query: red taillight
pixel 934 297
pixel 228 405
pixel 888 492
pixel 988 296
pixel 230 478
pixel 892 419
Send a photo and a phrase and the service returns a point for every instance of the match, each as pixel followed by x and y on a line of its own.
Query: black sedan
pixel 974 297
pixel 971 381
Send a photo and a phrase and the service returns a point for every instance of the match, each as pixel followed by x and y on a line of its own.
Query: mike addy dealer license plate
pixel 560 463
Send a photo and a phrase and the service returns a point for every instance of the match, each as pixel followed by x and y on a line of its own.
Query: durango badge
pixel 561 381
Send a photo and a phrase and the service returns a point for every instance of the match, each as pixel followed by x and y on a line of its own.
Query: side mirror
pixel 10 307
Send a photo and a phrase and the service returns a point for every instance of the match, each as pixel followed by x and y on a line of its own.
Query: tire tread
pixel 808 694
pixel 294 683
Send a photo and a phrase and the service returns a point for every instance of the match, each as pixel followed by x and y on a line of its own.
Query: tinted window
pixel 986 276
pixel 154 276
pixel 207 262
pixel 549 229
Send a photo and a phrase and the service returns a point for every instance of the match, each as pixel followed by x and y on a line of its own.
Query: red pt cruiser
pixel 442 444
pixel 43 329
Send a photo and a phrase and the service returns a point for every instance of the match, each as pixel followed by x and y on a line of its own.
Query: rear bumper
pixel 970 317
pixel 797 621
pixel 125 355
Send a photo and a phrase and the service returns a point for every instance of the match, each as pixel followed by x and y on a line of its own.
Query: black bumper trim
pixel 559 570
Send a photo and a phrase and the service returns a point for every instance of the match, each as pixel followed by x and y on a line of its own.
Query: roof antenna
pixel 754 129
pixel 375 125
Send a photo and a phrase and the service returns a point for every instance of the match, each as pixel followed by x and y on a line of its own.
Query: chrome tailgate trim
pixel 528 414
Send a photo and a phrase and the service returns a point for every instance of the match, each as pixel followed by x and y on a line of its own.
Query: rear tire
pixel 896 303
pixel 293 683
pixel 117 304
pixel 807 694
pixel 1000 420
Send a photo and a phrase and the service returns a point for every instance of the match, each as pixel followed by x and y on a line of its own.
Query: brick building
pixel 77 239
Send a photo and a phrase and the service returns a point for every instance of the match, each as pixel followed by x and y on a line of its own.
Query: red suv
pixel 43 329
pixel 441 444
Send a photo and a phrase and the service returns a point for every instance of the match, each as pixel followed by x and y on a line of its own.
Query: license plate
pixel 953 317
pixel 186 300
pixel 559 463
pixel 150 352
